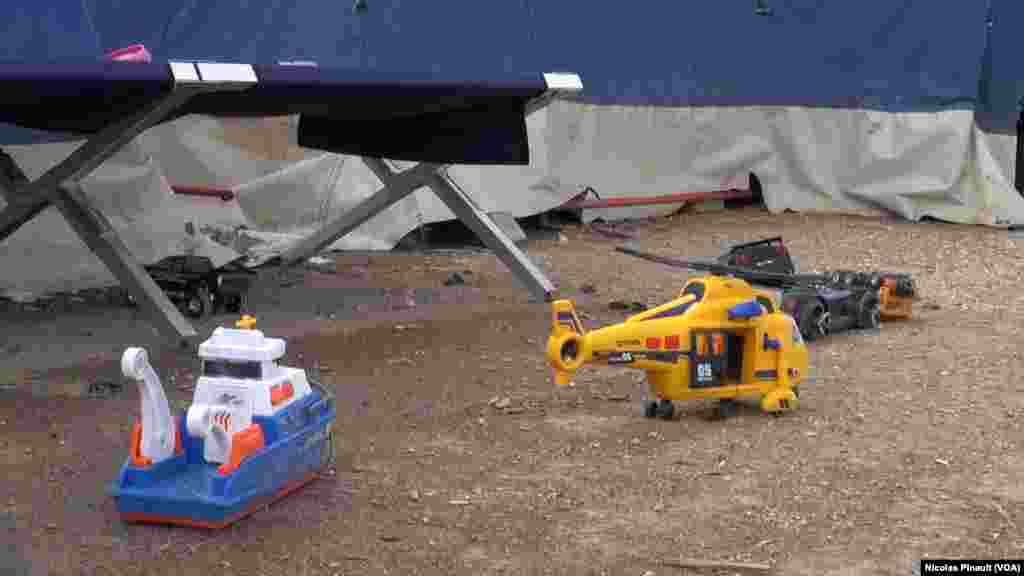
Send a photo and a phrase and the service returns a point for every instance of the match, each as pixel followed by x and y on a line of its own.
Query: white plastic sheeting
pixel 46 255
pixel 913 164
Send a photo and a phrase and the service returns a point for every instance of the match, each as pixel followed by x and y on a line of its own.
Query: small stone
pixel 588 289
pixel 414 495
pixel 502 403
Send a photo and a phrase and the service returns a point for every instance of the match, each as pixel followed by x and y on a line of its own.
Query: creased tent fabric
pixel 905 106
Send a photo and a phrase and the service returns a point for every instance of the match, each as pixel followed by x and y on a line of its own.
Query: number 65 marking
pixel 704 372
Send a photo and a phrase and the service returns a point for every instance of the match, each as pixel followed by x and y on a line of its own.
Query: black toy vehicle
pixel 896 291
pixel 199 289
pixel 821 304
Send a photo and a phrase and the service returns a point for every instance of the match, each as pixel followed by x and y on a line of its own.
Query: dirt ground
pixel 458 455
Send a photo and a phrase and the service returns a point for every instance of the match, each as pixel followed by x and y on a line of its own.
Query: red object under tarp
pixel 225 194
pixel 579 202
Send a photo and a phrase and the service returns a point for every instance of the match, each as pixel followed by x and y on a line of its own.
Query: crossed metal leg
pixel 398 185
pixel 60 186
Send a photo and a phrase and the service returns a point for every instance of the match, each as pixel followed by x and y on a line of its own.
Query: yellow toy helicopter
pixel 719 339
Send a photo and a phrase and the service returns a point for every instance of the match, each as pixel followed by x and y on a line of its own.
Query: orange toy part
pixel 244 443
pixel 246 322
pixel 281 393
pixel 135 452
pixel 178 448
pixel 894 307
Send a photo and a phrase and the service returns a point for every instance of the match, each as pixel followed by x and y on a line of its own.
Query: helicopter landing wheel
pixel 666 410
pixel 726 408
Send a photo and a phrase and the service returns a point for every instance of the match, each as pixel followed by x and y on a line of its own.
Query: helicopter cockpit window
pixel 232 369
pixel 695 288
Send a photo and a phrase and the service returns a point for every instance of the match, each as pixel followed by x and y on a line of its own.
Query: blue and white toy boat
pixel 255 432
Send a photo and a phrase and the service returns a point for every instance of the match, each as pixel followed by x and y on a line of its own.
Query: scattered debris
pixel 611 231
pixel 455 279
pixel 632 306
pixel 320 262
pixel 500 403
pixel 104 389
pixel 715 565
pixel 11 349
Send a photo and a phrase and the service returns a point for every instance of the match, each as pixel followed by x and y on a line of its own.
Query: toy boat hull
pixel 186 490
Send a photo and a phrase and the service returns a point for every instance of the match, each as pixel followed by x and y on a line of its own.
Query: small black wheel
pixel 327 452
pixel 666 409
pixel 814 320
pixel 650 409
pixel 727 408
pixel 868 313
pixel 200 304
pixel 235 304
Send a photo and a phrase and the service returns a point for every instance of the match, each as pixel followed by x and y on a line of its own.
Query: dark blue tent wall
pixel 881 54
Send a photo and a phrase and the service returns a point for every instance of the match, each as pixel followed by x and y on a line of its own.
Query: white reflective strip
pixel 563 81
pixel 184 72
pixel 226 72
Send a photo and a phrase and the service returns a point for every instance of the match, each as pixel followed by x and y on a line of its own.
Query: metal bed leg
pixel 60 186
pixel 459 202
pixel 397 185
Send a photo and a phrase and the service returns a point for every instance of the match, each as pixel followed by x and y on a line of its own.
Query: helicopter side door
pixel 717 358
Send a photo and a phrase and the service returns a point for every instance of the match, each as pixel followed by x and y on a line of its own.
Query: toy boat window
pixel 231 369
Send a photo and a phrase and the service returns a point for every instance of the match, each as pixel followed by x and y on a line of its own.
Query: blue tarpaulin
pixel 54 78
pixel 889 55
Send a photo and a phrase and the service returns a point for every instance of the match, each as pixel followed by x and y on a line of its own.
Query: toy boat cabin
pixel 255 431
